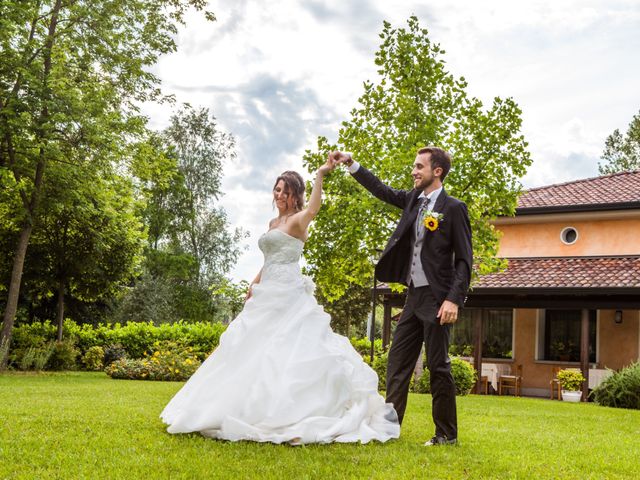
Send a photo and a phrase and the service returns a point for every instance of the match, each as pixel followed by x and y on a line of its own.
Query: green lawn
pixel 85 425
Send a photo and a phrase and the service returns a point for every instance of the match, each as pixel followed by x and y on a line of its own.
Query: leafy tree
pixel 150 300
pixel 190 244
pixel 160 188
pixel 88 241
pixel 200 149
pixel 622 153
pixel 416 102
pixel 71 76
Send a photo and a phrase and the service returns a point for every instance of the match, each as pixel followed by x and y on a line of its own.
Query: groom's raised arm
pixel 368 180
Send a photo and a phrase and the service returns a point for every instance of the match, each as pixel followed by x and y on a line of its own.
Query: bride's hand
pixel 329 165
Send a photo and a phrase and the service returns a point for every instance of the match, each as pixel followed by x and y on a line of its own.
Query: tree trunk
pixel 32 204
pixel 14 288
pixel 60 310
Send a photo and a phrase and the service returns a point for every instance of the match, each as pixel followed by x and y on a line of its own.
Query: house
pixel 570 296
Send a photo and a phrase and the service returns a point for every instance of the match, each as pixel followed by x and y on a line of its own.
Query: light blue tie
pixel 423 206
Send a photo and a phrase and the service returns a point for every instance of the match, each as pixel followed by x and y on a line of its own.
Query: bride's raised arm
pixel 315 200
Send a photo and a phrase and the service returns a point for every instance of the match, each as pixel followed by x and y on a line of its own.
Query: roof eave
pixel 589 207
pixel 555 290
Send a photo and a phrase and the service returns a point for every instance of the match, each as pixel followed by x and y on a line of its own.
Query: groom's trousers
pixel 419 323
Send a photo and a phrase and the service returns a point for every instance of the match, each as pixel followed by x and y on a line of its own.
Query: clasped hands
pixel 340 157
pixel 333 160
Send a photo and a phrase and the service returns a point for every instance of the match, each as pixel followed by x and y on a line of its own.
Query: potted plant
pixel 560 351
pixel 570 380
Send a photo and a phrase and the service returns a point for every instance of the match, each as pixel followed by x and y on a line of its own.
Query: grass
pixel 86 425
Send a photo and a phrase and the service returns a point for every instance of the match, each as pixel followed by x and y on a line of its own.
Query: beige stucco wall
pixel 602 237
pixel 618 343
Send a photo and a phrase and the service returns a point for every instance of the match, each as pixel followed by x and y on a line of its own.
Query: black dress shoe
pixel 436 441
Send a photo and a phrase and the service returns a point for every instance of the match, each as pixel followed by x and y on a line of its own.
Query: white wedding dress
pixel 280 374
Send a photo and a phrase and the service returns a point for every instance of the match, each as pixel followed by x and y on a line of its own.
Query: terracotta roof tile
pixel 615 188
pixel 573 272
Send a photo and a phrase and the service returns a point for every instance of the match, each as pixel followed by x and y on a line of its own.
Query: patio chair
pixel 512 381
pixel 484 382
pixel 555 389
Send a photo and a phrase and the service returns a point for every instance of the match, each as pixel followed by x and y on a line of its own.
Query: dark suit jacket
pixel 446 254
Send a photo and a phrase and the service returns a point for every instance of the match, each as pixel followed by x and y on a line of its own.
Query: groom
pixel 430 252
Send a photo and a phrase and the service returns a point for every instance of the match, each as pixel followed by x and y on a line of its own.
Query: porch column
pixel 477 346
pixel 386 324
pixel 584 352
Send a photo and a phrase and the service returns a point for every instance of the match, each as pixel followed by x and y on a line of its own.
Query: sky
pixel 278 74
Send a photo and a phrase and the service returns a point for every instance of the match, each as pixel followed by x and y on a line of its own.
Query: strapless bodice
pixel 281 260
pixel 280 247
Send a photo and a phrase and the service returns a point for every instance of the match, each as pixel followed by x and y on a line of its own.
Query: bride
pixel 280 374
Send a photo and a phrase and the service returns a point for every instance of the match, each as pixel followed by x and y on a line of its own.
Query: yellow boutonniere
pixel 431 220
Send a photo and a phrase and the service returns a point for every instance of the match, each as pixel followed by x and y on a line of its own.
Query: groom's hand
pixel 448 312
pixel 341 157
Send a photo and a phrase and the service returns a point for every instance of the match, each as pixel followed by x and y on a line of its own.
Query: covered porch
pixel 596 300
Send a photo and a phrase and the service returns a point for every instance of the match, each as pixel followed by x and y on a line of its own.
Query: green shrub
pixel 63 357
pixel 621 390
pixel 133 338
pixel 421 384
pixel 42 356
pixel 85 336
pixel 363 347
pixel 169 361
pixel 26 360
pixel 34 334
pixel 464 376
pixel 34 357
pixel 137 338
pixel 93 359
pixel 202 337
pixel 380 367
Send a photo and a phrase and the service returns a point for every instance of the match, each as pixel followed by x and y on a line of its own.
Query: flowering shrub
pixel 63 356
pixel 168 361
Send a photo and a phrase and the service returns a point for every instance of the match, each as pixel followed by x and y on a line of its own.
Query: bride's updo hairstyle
pixel 294 186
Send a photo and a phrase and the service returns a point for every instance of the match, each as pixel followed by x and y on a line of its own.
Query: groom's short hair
pixel 439 158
